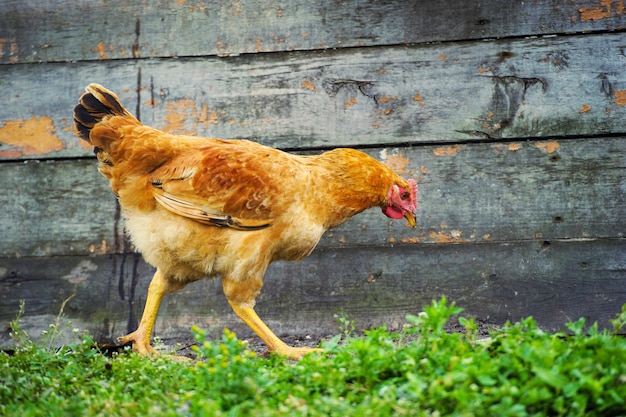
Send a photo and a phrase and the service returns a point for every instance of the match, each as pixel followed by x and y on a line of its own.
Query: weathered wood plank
pixel 493 282
pixel 34 31
pixel 504 89
pixel 480 192
pixel 57 207
pixel 487 90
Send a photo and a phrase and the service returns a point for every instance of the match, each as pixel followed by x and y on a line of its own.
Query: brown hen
pixel 198 207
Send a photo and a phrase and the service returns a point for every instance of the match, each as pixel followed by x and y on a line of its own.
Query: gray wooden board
pixel 57 207
pixel 522 88
pixel 494 282
pixel 62 30
pixel 481 192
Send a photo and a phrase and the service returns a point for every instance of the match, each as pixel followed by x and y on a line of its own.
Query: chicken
pixel 200 208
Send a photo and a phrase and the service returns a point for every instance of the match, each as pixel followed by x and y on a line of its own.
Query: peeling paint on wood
pixel 308 85
pixel 604 10
pixel 36 136
pixel 12 50
pixel 548 147
pixel 447 150
pixel 453 236
pixel 186 112
pixel 620 97
pixel 397 161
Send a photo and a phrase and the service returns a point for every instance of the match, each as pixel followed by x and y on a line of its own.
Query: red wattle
pixel 392 213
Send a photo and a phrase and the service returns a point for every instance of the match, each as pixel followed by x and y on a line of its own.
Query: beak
pixel 410 217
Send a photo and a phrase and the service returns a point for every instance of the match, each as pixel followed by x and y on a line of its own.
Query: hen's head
pixel 402 202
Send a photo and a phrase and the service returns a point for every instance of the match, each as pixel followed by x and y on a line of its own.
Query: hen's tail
pixel 95 105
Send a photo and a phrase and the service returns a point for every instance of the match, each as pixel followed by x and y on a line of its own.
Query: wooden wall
pixel 510 115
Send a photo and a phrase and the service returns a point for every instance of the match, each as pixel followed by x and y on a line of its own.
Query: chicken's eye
pixel 405 195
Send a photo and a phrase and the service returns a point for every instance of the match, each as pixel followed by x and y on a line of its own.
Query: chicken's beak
pixel 410 217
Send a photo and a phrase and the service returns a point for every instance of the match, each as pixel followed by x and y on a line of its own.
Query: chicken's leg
pixel 140 338
pixel 274 344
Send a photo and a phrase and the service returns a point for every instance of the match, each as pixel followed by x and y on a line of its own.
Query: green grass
pixel 420 371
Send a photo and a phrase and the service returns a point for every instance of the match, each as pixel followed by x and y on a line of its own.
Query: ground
pixel 259 347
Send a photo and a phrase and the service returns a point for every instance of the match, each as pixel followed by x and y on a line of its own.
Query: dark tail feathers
pixel 93 106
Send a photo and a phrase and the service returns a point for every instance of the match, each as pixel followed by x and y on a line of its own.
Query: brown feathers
pixel 196 212
pixel 95 106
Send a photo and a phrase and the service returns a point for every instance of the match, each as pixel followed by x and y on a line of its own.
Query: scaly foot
pixel 295 352
pixel 141 344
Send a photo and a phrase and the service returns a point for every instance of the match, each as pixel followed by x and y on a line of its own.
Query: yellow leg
pixel 140 338
pixel 274 344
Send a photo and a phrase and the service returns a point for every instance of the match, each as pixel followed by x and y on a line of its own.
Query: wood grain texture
pixel 481 192
pixel 57 208
pixel 556 284
pixel 62 30
pixel 362 96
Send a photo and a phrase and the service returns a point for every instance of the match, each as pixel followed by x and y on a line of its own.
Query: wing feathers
pixel 191 211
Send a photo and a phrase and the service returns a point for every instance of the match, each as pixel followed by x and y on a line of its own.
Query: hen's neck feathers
pixel 347 182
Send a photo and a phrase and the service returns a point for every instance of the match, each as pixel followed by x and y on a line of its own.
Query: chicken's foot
pixel 273 342
pixel 140 338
